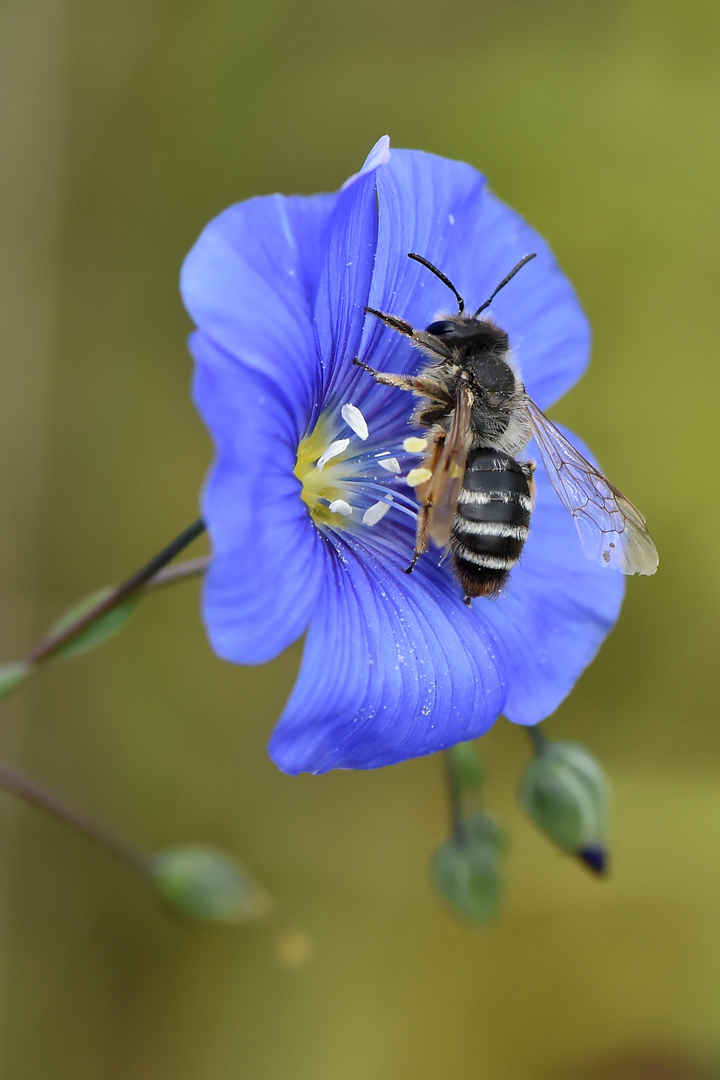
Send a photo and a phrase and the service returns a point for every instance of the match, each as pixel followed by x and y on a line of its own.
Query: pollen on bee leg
pixel 415 445
pixel 417 476
pixel 355 420
pixel 332 451
pixel 339 506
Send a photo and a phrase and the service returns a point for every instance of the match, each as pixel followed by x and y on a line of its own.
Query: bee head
pixel 477 334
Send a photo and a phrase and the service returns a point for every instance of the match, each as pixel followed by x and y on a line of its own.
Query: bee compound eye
pixel 443 328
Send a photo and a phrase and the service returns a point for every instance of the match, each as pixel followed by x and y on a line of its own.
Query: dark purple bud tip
pixel 595 857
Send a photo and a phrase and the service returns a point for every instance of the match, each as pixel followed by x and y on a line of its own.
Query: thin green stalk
pixel 179 572
pixel 454 797
pixel 54 643
pixel 23 786
pixel 537 738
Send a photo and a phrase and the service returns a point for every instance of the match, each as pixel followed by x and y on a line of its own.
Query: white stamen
pixel 375 513
pixel 391 464
pixel 355 420
pixel 413 445
pixel 418 476
pixel 339 506
pixel 332 451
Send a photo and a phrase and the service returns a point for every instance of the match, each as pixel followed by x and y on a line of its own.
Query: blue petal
pixel 558 609
pixel 344 283
pixel 417 193
pixel 394 667
pixel 549 332
pixel 379 155
pixel 249 284
pixel 443 211
pixel 268 557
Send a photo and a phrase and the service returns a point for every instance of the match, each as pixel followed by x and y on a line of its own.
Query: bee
pixel 475 497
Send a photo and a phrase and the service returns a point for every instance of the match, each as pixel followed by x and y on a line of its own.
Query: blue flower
pixel 310 518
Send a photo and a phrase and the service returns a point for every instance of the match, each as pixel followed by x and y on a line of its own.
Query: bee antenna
pixel 445 280
pixel 503 283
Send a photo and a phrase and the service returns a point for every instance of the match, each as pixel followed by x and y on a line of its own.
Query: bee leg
pixel 423 386
pixel 385 378
pixel 431 342
pixel 422 537
pixel 393 321
pixel 467 601
pixel 413 563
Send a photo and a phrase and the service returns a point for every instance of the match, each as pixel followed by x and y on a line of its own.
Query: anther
pixel 391 464
pixel 355 420
pixel 339 506
pixel 332 451
pixel 375 513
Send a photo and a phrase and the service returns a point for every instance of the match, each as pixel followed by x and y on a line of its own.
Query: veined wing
pixel 612 531
pixel 441 493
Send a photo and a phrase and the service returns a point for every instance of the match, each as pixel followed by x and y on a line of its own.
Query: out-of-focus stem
pixel 18 783
pixel 179 572
pixel 538 739
pixel 55 642
pixel 454 797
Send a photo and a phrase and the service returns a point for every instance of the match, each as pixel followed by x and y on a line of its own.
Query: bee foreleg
pixel 393 321
pixel 430 343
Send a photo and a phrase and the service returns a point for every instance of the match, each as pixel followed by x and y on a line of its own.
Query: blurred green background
pixel 124 127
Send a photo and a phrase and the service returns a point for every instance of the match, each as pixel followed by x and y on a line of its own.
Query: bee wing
pixel 441 493
pixel 612 531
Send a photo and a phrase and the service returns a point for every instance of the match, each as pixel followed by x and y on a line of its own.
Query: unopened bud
pixel 566 793
pixel 206 884
pixel 466 869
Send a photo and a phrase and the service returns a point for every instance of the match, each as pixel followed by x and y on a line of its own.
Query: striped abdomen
pixel 492 520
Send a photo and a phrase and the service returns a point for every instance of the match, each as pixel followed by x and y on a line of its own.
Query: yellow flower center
pixel 320 486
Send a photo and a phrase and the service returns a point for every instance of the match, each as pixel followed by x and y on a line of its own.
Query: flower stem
pixel 51 645
pixel 180 572
pixel 539 741
pixel 24 787
pixel 454 796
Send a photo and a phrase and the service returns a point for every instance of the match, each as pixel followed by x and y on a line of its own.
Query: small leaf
pixel 466 868
pixel 100 631
pixel 206 884
pixel 12 674
pixel 466 767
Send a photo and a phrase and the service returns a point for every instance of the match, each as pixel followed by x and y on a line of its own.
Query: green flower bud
pixel 205 884
pixel 466 868
pixel 566 793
